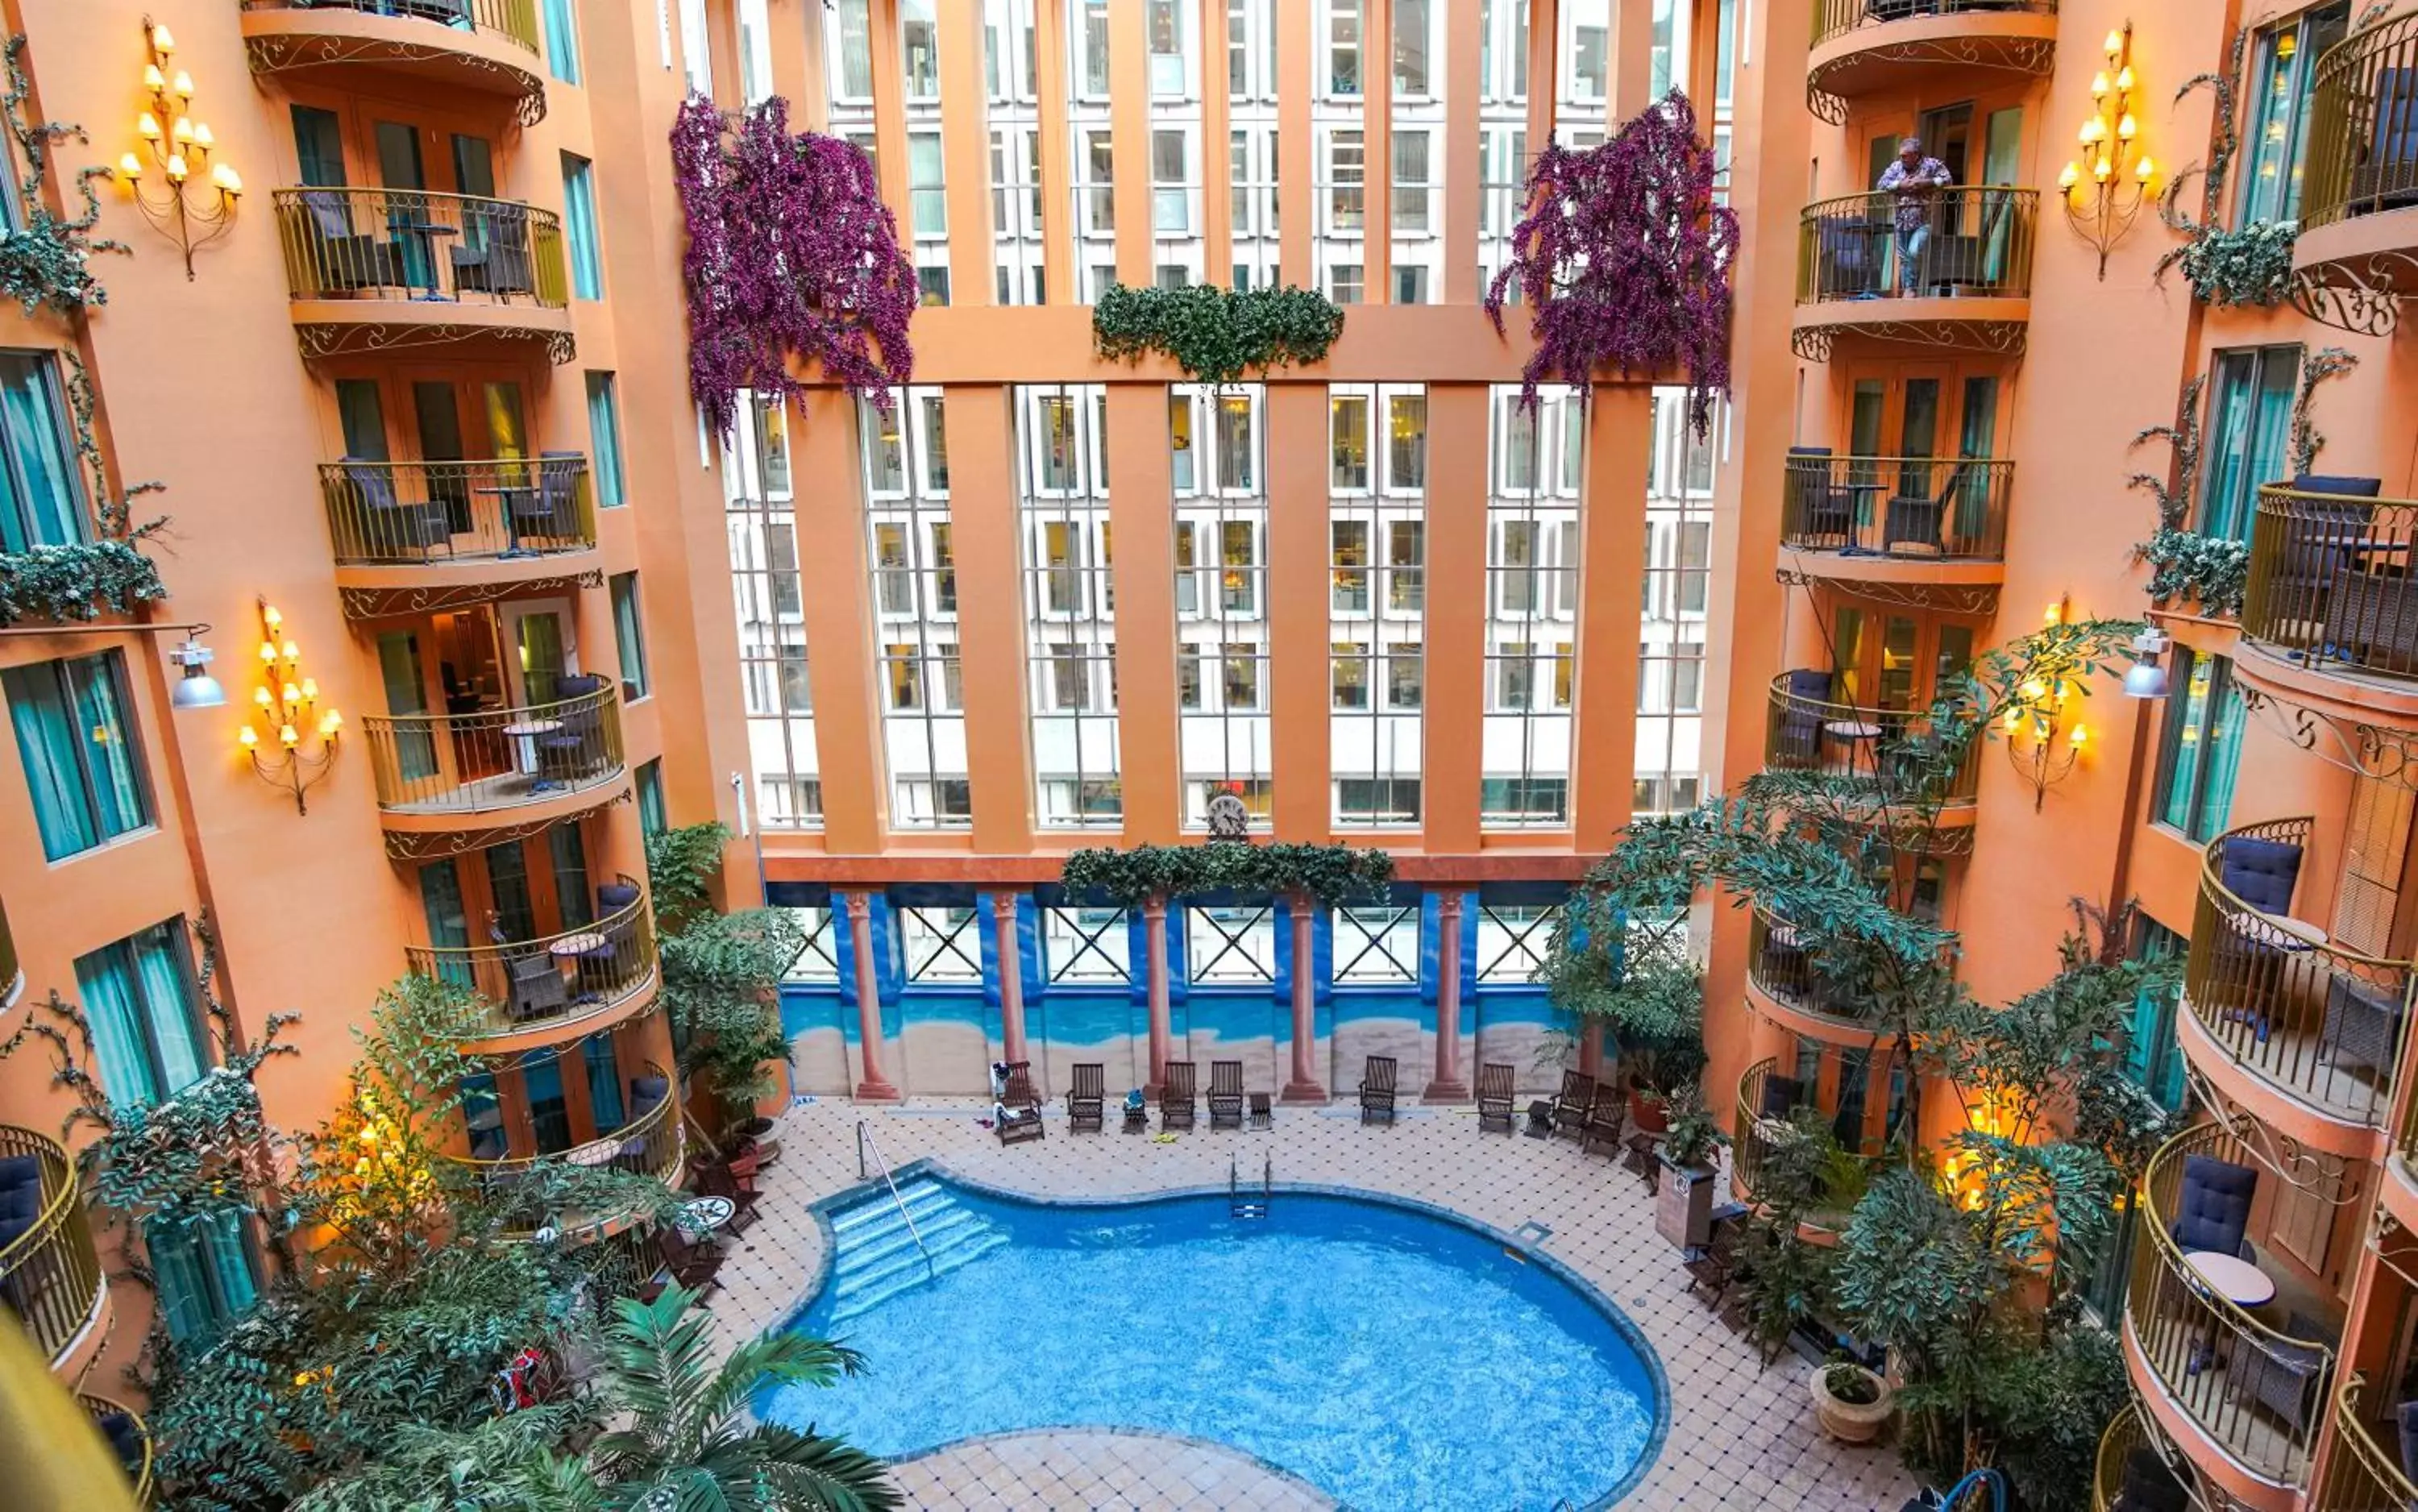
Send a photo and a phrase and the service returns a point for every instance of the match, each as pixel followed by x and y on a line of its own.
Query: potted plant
pixel 1684 1212
pixel 1852 1403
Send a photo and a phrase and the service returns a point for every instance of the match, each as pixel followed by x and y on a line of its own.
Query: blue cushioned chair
pixel 1801 724
pixel 2214 1213
pixel 2261 873
pixel 2405 1417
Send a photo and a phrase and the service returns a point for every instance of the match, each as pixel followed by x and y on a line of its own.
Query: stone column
pixel 1011 977
pixel 1591 1049
pixel 1305 1087
pixel 1162 1037
pixel 1448 1085
pixel 870 1086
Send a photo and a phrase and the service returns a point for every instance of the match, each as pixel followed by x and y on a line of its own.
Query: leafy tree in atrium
pixel 722 972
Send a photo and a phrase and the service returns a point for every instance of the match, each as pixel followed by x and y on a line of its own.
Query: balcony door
pixel 1897 660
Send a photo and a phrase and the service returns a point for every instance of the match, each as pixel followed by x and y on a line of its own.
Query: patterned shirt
pixel 1913 207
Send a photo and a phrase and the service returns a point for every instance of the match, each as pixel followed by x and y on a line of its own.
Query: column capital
pixel 1154 908
pixel 859 906
pixel 1448 906
pixel 1002 906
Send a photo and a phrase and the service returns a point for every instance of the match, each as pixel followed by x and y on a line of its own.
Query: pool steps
pixel 879 1259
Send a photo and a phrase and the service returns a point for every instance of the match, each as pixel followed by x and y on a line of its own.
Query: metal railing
pixel 1968 242
pixel 495 758
pixel 2359 1475
pixel 516 20
pixel 418 244
pixel 650 1144
pixel 560 979
pixel 1788 966
pixel 2258 1394
pixel 1836 18
pixel 865 1141
pixel 1930 508
pixel 1890 750
pixel 423 512
pixel 2363 154
pixel 2330 582
pixel 2321 1023
pixel 50 1274
pixel 138 1469
pixel 1750 1137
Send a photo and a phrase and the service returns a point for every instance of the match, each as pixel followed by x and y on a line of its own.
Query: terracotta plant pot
pixel 1851 1422
pixel 1648 1115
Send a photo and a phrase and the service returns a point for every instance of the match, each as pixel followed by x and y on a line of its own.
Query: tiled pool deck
pixel 1739 1437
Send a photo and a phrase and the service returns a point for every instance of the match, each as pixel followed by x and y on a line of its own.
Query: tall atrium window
pixel 1089 36
pixel 77 747
pixel 1535 460
pixel 905 454
pixel 849 48
pixel 1345 21
pixel 754 39
pixel 43 504
pixel 1415 169
pixel 1016 213
pixel 2201 746
pixel 1377 454
pixel 579 227
pixel 1164 25
pixel 1342 201
pixel 758 511
pixel 1503 129
pixel 1221 597
pixel 1069 605
pixel 1671 633
pixel 1251 142
pixel 2249 418
pixel 696 48
pixel 918 49
pixel 1175 217
pixel 1587 51
pixel 148 1037
pixel 561 41
pixel 2283 73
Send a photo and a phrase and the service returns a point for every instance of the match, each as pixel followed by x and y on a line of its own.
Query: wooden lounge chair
pixel 1225 1094
pixel 717 1179
pixel 1176 1100
pixel 1377 1079
pixel 1604 1119
pixel 1713 1266
pixel 692 1265
pixel 1086 1104
pixel 1575 1100
pixel 1494 1095
pixel 1022 1102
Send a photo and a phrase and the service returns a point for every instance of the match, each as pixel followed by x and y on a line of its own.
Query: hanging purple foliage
pixel 1625 259
pixel 791 252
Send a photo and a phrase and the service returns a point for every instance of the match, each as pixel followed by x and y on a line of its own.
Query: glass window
pixel 1413 36
pixel 911 542
pixel 1163 26
pixel 1376 597
pixel 1069 603
pixel 1410 180
pixel 941 944
pixel 2201 745
pixel 1511 941
pixel 628 636
pixel 1376 947
pixel 1586 49
pixel 76 742
pixel 604 439
pixel 202 1268
pixel 653 819
pixel 1235 945
pixel 1091 47
pixel 926 191
pixel 2283 72
pixel 562 40
pixel 2249 424
pixel 852 58
pixel 147 1021
pixel 775 688
pixel 1343 37
pixel 579 227
pixel 1347 176
pixel 1171 178
pixel 918 49
pixel 1080 944
pixel 40 502
pixel 1532 602
pixel 1220 530
pixel 819 959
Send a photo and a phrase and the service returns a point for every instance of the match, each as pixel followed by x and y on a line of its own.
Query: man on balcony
pixel 1916 181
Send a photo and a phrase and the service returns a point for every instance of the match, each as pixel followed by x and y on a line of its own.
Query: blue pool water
pixel 1390 1358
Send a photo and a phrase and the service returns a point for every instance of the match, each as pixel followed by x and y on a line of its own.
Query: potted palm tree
pixel 1852 1403
pixel 1683 1212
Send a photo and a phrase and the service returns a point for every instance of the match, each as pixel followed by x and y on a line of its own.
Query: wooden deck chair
pixel 1225 1094
pixel 1494 1095
pixel 1573 1102
pixel 1177 1102
pixel 1089 1098
pixel 1604 1119
pixel 1377 1085
pixel 1022 1102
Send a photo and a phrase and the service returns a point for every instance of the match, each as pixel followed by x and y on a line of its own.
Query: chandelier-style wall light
pixel 194 199
pixel 298 734
pixel 2105 189
pixel 2042 743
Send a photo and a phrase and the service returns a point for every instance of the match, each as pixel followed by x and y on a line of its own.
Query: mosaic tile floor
pixel 1740 1436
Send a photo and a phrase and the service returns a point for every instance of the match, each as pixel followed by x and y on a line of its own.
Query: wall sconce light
pixel 194 201
pixel 2043 743
pixel 301 736
pixel 2104 187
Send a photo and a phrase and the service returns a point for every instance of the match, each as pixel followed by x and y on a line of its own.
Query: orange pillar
pixel 870 1087
pixel 1162 1038
pixel 1305 1087
pixel 1011 977
pixel 1447 1086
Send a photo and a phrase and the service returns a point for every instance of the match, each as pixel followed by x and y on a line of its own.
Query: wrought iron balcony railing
pixel 493 758
pixel 50 1273
pixel 2330 584
pixel 420 245
pixel 2363 154
pixel 564 978
pixel 1836 18
pixel 423 514
pixel 516 20
pixel 1889 750
pixel 1921 508
pixel 1959 242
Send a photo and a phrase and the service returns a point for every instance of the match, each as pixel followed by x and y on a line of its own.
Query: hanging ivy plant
pixel 2214 569
pixel 76 583
pixel 2249 267
pixel 792 253
pixel 46 263
pixel 1215 335
pixel 1625 257
pixel 1331 874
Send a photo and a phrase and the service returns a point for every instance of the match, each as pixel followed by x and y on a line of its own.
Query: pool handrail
pixel 864 1137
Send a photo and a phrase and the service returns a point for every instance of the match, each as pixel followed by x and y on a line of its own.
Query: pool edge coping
pixel 1595 1296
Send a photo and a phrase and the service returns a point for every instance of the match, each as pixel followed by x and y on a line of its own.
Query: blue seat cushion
pixel 612 897
pixel 2261 873
pixel 2405 1417
pixel 21 1202
pixel 2214 1213
pixel 2328 483
pixel 19 1170
pixel 1780 1094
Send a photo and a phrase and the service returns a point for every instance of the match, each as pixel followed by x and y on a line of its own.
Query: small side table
pixel 593 1153
pixel 702 1215
pixel 1263 1117
pixel 2234 1278
pixel 1136 1118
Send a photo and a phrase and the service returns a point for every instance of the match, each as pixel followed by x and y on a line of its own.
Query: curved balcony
pixel 2314 1022
pixel 1764 1104
pixel 2329 588
pixel 373 269
pixel 1886 751
pixel 1913 522
pixel 1923 47
pixel 570 981
pixel 445 764
pixel 650 1144
pixel 1967 286
pixel 128 1436
pixel 1786 968
pixel 2255 1394
pixel 2134 1449
pixel 2360 1475
pixel 2356 256
pixel 50 1273
pixel 483 46
pixel 401 529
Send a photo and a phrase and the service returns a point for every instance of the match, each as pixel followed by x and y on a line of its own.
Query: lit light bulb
pixel 131 166
pixel 269 617
pixel 268 651
pixel 288 737
pixel 176 169
pixel 2072 176
pixel 151 79
pixel 328 722
pixel 293 693
pixel 2080 737
pixel 289 650
pixel 261 696
pixel 160 41
pixel 2125 80
pixel 247 738
pixel 2115 43
pixel 184 131
pixel 2056 614
pixel 2126 129
pixel 2099 85
pixel 184 83
pixel 147 126
pixel 202 137
pixel 310 689
pixel 225 178
pixel 2033 688
pixel 2101 169
pixel 2142 170
pixel 2014 716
